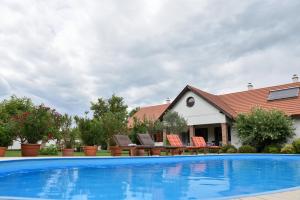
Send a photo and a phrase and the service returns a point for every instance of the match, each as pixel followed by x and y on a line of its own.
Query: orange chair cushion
pixel 174 140
pixel 198 141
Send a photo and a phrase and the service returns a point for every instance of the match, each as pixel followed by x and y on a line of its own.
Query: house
pixel 211 116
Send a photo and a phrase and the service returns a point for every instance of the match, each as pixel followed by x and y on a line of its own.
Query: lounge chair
pixel 175 141
pixel 146 140
pixel 125 143
pixel 200 142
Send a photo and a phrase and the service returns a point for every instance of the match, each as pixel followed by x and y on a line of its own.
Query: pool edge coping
pixel 134 157
pixel 258 195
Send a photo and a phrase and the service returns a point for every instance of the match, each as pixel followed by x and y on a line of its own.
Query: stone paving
pixel 288 195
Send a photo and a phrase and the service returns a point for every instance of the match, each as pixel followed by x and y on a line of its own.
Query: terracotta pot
pixel 155 152
pixel 2 151
pixel 176 152
pixel 68 152
pixel 115 151
pixel 90 150
pixel 140 152
pixel 132 152
pixel 30 149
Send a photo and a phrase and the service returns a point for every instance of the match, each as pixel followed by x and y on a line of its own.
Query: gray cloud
pixel 68 53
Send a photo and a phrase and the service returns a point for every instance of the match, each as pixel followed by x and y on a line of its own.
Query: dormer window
pixel 190 101
pixel 283 93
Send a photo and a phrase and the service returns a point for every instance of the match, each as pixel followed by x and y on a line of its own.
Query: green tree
pixel 24 117
pixel 9 109
pixel 112 125
pixel 114 104
pixel 68 134
pixel 145 126
pixel 174 123
pixel 6 138
pixel 99 108
pixel 113 116
pixel 154 126
pixel 138 127
pixel 261 128
pixel 37 124
pixel 91 131
pixel 14 106
pixel 56 123
pixel 133 111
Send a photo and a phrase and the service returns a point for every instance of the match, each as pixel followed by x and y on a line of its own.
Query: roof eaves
pixel 185 89
pixel 213 103
pixel 195 90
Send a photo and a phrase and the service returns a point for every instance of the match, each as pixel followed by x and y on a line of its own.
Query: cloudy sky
pixel 68 53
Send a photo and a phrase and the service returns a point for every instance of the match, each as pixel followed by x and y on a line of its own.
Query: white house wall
pixel 201 113
pixel 234 138
pixel 297 127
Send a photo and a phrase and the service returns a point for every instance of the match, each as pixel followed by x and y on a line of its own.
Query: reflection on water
pixel 204 179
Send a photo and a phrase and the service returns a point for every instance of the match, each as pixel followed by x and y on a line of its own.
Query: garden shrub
pixel 6 136
pixel 78 145
pixel 272 149
pixel 225 148
pixel 288 148
pixel 138 127
pixel 247 149
pixel 90 130
pixel 50 150
pixel 144 126
pixel 213 150
pixel 174 123
pixel 262 127
pixel 68 135
pixel 231 150
pixel 296 144
pixel 203 151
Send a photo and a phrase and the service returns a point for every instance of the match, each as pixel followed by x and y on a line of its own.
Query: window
pixel 283 94
pixel 190 101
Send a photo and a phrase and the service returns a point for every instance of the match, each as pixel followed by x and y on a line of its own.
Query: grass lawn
pixel 17 153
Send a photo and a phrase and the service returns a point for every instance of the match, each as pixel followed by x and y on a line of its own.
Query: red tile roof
pixel 242 102
pixel 231 104
pixel 215 101
pixel 149 112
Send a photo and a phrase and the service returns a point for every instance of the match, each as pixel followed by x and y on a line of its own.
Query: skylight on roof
pixel 283 94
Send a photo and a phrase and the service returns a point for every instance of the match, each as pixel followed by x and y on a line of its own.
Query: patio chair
pixel 124 142
pixel 175 141
pixel 200 142
pixel 146 140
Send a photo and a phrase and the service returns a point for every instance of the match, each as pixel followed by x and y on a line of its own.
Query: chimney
pixel 250 86
pixel 168 100
pixel 295 78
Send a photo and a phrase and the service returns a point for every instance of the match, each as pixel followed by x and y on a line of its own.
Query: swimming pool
pixel 177 177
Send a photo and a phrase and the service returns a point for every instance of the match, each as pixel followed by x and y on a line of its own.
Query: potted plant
pixel 33 126
pixel 112 113
pixel 68 136
pixel 111 125
pixel 6 138
pixel 90 134
pixel 8 109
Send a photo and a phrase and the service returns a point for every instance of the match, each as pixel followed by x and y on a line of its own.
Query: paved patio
pixel 289 195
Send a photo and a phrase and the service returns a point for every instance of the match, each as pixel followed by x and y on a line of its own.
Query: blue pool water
pixel 185 177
